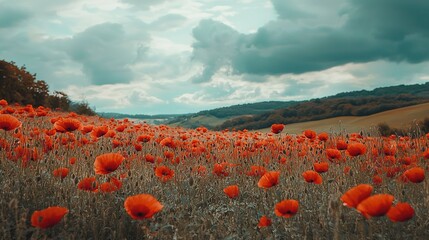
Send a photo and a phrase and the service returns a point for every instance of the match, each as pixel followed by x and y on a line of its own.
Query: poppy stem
pixel 365 228
pixel 3 150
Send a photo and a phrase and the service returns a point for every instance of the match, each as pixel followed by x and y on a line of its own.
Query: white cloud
pixel 150 45
pixel 114 96
pixel 227 89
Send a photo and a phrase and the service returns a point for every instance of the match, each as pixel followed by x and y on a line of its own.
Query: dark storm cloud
pixel 10 17
pixel 297 88
pixel 105 53
pixel 287 10
pixel 215 47
pixel 392 30
pixel 389 19
pixel 43 57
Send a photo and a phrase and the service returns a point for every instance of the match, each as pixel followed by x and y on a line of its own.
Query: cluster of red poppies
pixel 401 158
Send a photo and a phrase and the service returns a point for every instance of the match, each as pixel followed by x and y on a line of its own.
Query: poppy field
pixel 69 176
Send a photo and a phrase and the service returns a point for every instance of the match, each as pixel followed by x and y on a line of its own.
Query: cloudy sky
pixel 181 56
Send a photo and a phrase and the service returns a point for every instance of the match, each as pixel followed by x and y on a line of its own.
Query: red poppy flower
pixel 333 153
pixel 72 114
pixel 376 205
pixel 356 195
pixel 200 170
pixel 88 184
pixel 269 179
pixel 401 212
pixel 107 163
pixel 51 132
pixel 377 180
pixel 138 147
pixel 86 129
pixel 116 143
pixel 48 217
pixel 149 158
pixel 310 134
pixel 9 122
pixel 415 174
pixel 99 131
pixel 220 169
pixel 256 171
pixel 264 221
pixel 107 187
pixel 231 191
pixel 3 103
pixel 111 186
pixel 286 208
pixel 408 160
pixel 116 182
pixel 321 167
pixel 110 134
pixel 323 136
pixel 61 172
pixel 142 206
pixel 72 160
pixel 277 128
pixel 341 145
pixel 167 142
pixel 311 176
pixel 41 113
pixel 347 169
pixel 389 150
pixel 120 128
pixel 67 125
pixel 356 149
pixel 144 138
pixel 282 160
pixel 168 154
pixel 164 173
pixel 426 153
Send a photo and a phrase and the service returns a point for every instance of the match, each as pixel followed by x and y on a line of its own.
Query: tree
pixel 17 85
pixel 82 108
pixel 59 100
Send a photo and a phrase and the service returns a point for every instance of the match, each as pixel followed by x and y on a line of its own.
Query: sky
pixel 183 56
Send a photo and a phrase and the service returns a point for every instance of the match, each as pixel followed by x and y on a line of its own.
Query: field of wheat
pixel 66 176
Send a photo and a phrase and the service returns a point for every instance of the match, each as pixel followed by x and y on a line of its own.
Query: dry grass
pixel 195 206
pixel 401 118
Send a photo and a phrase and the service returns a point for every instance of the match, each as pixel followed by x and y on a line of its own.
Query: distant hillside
pixel 194 121
pixel 401 118
pixel 263 114
pixel 247 109
pixel 325 108
pixel 415 89
pixel 215 117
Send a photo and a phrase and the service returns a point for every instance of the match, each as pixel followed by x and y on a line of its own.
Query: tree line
pixel 20 86
pixel 318 109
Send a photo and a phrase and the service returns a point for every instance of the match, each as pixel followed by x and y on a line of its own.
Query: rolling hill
pixel 401 118
pixel 261 115
pixel 215 117
pixel 324 108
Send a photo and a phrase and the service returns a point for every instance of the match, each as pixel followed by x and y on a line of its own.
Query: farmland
pixel 116 179
pixel 401 118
